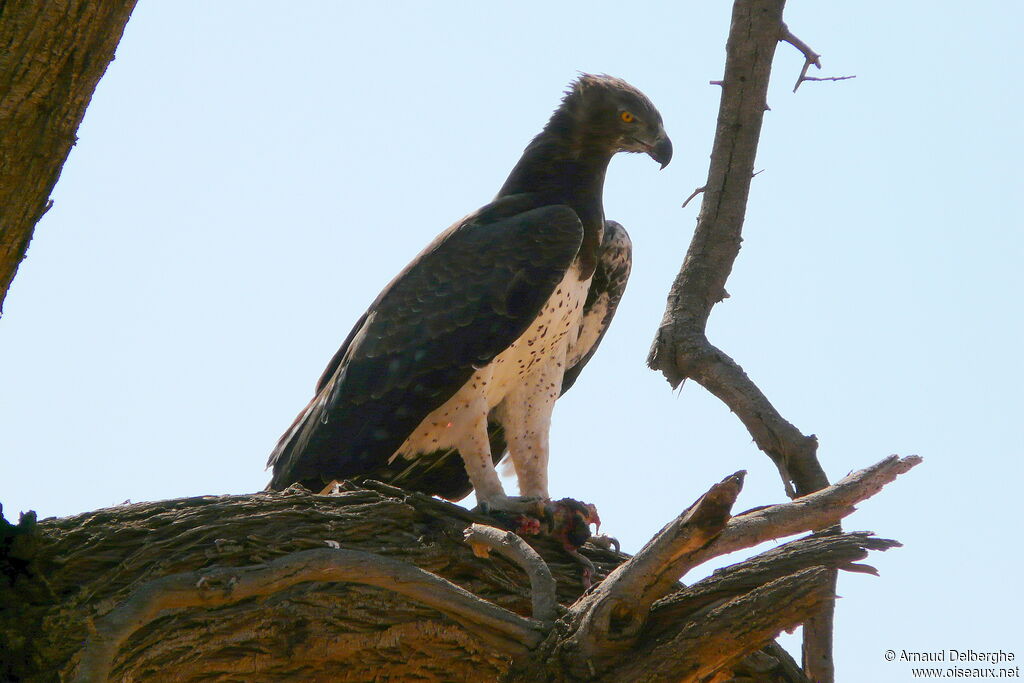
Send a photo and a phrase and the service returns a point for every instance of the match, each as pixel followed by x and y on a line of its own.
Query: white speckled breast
pixel 540 353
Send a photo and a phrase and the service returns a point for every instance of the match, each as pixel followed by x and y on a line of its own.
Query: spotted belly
pixel 534 363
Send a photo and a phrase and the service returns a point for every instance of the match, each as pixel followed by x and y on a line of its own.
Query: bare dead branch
pixel 828 78
pixel 728 632
pixel 606 622
pixel 681 348
pixel 794 454
pixel 837 550
pixel 651 572
pixel 817 510
pixel 504 630
pixel 485 538
pixel 810 57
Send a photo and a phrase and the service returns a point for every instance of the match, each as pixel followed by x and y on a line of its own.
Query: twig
pixel 703 187
pixel 828 78
pixel 502 629
pixel 695 193
pixel 810 57
pixel 485 538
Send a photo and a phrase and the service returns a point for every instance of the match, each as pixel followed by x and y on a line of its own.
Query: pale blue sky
pixel 250 174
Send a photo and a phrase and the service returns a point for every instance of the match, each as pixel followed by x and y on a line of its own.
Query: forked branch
pixel 810 57
pixel 608 621
pixel 726 633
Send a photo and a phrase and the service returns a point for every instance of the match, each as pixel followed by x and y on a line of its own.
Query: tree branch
pixel 608 621
pixel 722 635
pixel 810 57
pixel 504 630
pixel 816 511
pixel 634 586
pixel 835 550
pixel 485 538
pixel 681 348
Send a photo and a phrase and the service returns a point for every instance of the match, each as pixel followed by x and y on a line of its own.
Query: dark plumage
pixel 464 353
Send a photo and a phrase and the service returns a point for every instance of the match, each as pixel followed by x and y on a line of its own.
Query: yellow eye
pixel 627 117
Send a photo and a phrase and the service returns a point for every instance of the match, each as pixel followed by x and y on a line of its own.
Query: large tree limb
pixel 836 550
pixel 54 54
pixel 720 636
pixel 218 587
pixel 504 630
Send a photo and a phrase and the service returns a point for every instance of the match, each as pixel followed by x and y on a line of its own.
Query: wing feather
pixel 610 276
pixel 459 304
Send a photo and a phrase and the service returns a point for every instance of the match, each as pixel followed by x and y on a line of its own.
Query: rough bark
pixel 82 568
pixel 375 582
pixel 54 54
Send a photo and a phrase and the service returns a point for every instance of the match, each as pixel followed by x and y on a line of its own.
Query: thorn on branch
pixel 701 189
pixel 606 542
pixel 694 194
pixel 810 57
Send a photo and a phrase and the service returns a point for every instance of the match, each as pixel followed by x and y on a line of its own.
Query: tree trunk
pixel 54 53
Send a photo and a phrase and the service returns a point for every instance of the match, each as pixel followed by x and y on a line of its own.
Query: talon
pixel 589 570
pixel 606 542
pixel 523 516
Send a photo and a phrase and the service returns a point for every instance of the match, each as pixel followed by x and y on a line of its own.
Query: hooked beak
pixel 661 150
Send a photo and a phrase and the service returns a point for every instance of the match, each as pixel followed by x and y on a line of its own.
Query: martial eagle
pixel 462 356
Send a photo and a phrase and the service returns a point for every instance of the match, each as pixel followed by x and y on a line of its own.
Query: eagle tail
pixel 284 456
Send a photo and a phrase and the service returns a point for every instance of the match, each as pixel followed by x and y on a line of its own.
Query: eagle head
pixel 610 114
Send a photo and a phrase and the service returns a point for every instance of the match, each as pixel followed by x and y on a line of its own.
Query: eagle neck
pixel 559 174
